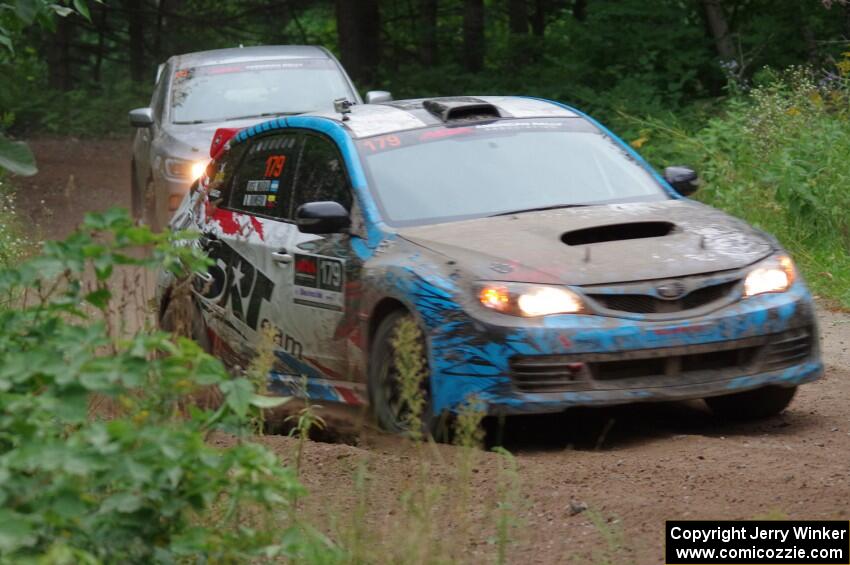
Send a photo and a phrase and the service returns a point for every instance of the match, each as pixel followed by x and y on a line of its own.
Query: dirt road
pixel 633 467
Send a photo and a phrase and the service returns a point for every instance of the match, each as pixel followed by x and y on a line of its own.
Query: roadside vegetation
pixel 105 454
pixel 776 156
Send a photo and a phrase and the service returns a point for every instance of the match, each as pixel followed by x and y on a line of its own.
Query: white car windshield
pixel 449 173
pixel 215 93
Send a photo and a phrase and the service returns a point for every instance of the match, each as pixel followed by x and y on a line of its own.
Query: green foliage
pixel 31 105
pixel 13 245
pixel 103 457
pixel 412 370
pixel 777 157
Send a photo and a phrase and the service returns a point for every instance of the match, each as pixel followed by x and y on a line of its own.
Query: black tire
pixel 388 408
pixel 752 404
pixel 183 318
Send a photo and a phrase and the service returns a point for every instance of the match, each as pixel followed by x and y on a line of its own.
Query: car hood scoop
pixel 617 232
pixel 597 244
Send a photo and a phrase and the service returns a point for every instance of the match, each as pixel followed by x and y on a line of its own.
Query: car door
pixel 322 271
pixel 247 236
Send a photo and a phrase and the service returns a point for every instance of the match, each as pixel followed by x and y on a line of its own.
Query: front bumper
pixel 596 360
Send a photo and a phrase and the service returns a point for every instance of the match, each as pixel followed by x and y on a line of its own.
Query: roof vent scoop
pixel 461 109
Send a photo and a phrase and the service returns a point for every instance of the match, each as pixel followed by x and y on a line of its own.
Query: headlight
pixel 182 169
pixel 529 300
pixel 777 274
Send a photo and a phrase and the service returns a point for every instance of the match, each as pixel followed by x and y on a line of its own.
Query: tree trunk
pixel 161 10
pixel 359 33
pixel 60 75
pixel 538 18
pixel 847 21
pixel 518 17
pixel 428 32
pixel 580 10
pixel 136 29
pixel 101 41
pixel 719 27
pixel 473 35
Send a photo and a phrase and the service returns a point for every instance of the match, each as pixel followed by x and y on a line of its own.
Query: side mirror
pixel 141 118
pixel 378 97
pixel 685 180
pixel 322 217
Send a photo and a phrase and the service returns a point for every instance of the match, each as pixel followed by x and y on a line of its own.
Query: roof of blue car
pixel 366 120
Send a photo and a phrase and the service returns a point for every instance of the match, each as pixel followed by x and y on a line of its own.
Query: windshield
pixel 443 174
pixel 215 93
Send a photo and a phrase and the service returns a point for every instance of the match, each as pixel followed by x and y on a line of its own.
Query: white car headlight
pixel 776 274
pixel 529 300
pixel 184 170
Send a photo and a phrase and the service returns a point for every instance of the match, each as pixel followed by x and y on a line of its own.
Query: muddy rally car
pixel 544 261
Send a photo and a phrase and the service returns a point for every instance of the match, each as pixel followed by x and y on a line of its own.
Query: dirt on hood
pixel 598 244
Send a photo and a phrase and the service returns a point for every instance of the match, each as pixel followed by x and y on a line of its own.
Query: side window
pixel 321 175
pixel 224 173
pixel 262 184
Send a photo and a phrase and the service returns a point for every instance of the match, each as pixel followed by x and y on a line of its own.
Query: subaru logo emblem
pixel 671 290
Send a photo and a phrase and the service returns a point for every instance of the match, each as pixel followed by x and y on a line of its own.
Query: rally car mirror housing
pixel 141 118
pixel 378 97
pixel 684 179
pixel 322 217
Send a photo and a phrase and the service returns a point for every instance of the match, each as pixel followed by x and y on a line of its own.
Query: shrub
pixel 777 157
pixel 142 486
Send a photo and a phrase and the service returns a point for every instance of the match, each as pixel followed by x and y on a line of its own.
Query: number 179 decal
pixel 318 281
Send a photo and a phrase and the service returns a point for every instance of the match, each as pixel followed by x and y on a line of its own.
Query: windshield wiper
pixel 538 209
pixel 265 115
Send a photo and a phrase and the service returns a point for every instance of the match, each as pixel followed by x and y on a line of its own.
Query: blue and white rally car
pixel 546 264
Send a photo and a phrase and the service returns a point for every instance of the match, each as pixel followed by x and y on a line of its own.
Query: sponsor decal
pixel 282 340
pixel 274 186
pixel 254 200
pixel 318 281
pixel 258 186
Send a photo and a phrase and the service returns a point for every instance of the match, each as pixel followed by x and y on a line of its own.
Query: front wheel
pixel 183 318
pixel 752 404
pixel 399 383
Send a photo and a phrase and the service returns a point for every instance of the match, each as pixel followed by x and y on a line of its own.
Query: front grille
pixel 648 304
pixel 666 366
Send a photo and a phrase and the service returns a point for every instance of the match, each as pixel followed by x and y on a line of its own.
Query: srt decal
pixel 318 281
pixel 233 280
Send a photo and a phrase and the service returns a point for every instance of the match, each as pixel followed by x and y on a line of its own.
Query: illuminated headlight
pixel 776 274
pixel 182 169
pixel 529 300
